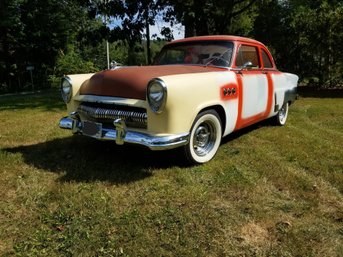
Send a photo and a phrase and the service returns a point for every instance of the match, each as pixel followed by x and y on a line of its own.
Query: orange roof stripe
pixel 217 37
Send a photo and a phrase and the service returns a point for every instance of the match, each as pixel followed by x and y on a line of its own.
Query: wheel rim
pixel 204 138
pixel 283 113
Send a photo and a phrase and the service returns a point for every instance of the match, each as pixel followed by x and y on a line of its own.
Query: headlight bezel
pixel 157 106
pixel 66 96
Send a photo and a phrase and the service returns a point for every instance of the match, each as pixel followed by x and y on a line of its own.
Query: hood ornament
pixel 115 65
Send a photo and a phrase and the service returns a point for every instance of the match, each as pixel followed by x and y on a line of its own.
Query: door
pixel 254 85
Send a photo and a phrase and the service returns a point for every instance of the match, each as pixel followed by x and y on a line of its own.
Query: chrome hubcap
pixel 204 138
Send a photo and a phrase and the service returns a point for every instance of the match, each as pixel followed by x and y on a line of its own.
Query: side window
pixel 247 54
pixel 266 61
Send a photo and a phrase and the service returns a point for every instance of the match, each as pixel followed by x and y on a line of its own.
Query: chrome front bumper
pixel 123 135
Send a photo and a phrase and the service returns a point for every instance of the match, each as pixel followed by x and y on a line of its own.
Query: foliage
pixel 135 18
pixel 72 63
pixel 206 17
pixel 304 36
pixel 34 34
pixel 11 35
pixel 318 26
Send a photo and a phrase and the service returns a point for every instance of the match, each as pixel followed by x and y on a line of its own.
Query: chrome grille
pixel 132 117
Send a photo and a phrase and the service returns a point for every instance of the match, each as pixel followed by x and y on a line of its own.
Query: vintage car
pixel 197 91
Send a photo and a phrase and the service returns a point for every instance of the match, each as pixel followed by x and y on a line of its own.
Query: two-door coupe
pixel 197 91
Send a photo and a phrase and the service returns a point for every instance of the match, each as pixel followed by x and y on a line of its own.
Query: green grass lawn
pixel 270 191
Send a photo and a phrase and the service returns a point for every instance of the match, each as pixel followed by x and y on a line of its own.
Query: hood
pixel 131 82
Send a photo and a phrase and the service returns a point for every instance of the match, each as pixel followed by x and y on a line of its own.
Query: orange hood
pixel 131 82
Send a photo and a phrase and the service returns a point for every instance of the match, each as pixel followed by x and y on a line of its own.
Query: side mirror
pixel 248 65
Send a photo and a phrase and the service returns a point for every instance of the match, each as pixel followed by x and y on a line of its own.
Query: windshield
pixel 209 53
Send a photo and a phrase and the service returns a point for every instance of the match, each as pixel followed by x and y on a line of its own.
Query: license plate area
pixel 92 129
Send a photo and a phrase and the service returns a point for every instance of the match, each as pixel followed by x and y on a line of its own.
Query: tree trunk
pixel 148 50
pixel 131 56
pixel 189 24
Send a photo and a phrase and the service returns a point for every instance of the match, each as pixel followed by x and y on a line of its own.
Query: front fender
pixel 187 96
pixel 77 80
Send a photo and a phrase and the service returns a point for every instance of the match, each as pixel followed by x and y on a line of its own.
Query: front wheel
pixel 281 116
pixel 205 137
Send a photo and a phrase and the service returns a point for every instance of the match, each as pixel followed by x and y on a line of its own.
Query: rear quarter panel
pixel 285 89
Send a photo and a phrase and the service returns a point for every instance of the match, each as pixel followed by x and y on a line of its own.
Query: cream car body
pixel 202 102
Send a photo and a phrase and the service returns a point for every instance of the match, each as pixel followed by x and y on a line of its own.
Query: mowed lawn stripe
pixel 270 191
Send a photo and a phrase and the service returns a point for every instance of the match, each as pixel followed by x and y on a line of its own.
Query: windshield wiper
pixel 220 57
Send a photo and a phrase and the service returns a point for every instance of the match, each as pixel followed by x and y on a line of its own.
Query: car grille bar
pixel 100 113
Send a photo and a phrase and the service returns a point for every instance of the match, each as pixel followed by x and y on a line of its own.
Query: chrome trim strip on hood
pixel 111 100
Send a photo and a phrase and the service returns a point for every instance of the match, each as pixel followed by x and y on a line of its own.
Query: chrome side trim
pixel 132 137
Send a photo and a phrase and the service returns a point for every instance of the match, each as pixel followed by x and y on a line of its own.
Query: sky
pixel 178 29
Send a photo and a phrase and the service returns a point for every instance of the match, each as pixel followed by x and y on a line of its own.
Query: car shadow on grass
pixel 83 159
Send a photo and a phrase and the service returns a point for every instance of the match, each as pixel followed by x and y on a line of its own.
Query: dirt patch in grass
pixel 255 235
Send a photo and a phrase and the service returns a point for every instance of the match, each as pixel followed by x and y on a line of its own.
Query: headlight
pixel 66 89
pixel 157 95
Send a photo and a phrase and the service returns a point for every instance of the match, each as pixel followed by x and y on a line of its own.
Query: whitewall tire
pixel 281 116
pixel 205 138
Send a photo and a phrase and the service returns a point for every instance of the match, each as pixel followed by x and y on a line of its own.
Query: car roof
pixel 217 37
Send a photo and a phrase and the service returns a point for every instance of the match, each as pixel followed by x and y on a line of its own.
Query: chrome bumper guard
pixel 123 135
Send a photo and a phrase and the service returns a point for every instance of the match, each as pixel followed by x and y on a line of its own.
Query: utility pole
pixel 147 27
pixel 148 40
pixel 108 54
pixel 107 44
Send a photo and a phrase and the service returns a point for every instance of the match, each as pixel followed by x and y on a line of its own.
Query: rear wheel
pixel 281 116
pixel 205 137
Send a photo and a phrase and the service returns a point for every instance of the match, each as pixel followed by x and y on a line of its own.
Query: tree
pixel 11 37
pixel 33 33
pixel 318 26
pixel 134 17
pixel 306 36
pixel 204 17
